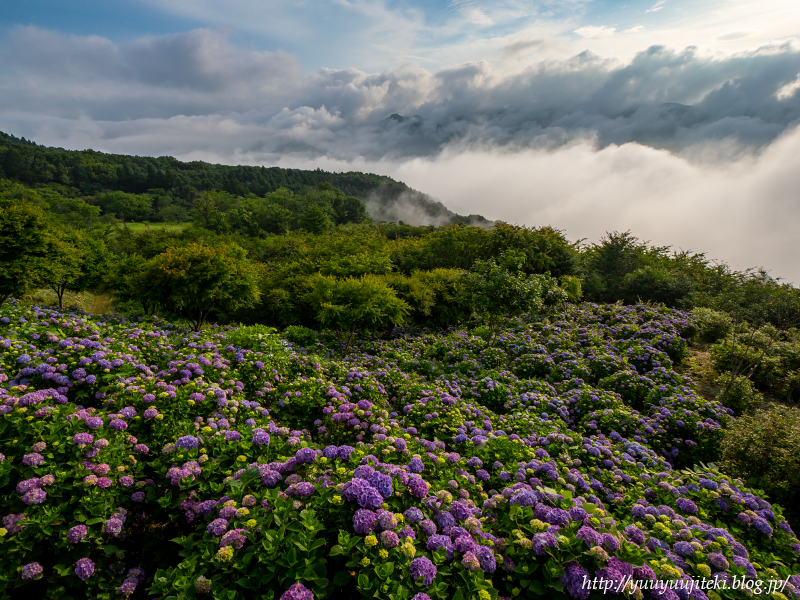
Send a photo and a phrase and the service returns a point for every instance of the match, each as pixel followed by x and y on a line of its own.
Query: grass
pixel 145 226
pixel 96 304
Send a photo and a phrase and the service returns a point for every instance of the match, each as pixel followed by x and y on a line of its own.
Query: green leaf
pixel 363 582
pixel 341 578
pixel 336 550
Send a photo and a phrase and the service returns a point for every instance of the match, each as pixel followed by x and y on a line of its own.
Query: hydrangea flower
pixel 422 567
pixel 84 568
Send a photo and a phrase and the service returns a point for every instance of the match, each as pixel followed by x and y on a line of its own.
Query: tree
pixel 126 207
pixel 351 305
pixel 494 290
pixel 25 239
pixel 77 262
pixel 130 281
pixel 196 279
pixel 211 210
pixel 315 220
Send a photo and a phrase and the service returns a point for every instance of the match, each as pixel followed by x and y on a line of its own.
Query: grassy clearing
pixel 139 227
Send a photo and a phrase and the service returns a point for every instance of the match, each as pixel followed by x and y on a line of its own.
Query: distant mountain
pixel 90 172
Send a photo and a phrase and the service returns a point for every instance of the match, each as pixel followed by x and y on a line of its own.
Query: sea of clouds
pixel 685 148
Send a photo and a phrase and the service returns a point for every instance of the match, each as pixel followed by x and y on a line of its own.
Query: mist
pixel 744 212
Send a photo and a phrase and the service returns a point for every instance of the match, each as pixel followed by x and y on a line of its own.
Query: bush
pixel 714 325
pixel 302 336
pixel 764 449
pixel 572 287
pixel 258 338
pixel 656 284
pixel 742 395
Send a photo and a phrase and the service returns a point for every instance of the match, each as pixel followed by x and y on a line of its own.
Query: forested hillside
pixel 171 186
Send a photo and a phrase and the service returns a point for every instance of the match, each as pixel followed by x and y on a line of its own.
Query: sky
pixel 675 119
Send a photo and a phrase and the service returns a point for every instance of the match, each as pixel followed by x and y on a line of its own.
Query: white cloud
pixel 684 147
pixel 593 31
pixel 656 7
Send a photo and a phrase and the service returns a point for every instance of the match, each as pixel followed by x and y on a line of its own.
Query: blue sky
pixel 375 35
pixel 677 119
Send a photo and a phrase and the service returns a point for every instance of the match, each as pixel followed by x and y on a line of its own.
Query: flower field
pixel 144 460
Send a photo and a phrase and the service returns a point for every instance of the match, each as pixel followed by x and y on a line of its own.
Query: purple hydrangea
pixel 119 425
pixel 84 568
pixel 440 541
pixel 82 439
pixel 217 527
pixel 306 455
pixel 364 521
pixel 589 536
pixel 34 496
pixel 428 527
pixel 390 539
pixel 422 567
pixel 261 438
pixel 76 534
pixel 188 442
pixel 297 591
pixel 542 541
pixel 234 537
pixel 113 527
pixel 304 489
pixel 686 505
pixel 32 570
pixel 34 459
pixel 486 559
pixel 573 579
pixel 413 515
pixel 415 465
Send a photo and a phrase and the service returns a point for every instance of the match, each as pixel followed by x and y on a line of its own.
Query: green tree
pixel 130 281
pixel 196 279
pixel 77 262
pixel 315 220
pixel 351 305
pixel 211 210
pixel 25 241
pixel 497 289
pixel 126 207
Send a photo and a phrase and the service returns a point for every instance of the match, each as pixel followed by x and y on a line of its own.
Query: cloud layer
pixel 683 147
pixel 229 99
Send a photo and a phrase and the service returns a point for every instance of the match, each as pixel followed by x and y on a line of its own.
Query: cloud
pixel 744 212
pixel 199 90
pixel 737 35
pixel 657 6
pixel 685 148
pixel 593 31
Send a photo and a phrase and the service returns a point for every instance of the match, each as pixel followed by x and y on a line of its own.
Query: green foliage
pixel 302 336
pixel 197 279
pixel 654 283
pixel 78 262
pixel 763 448
pixel 126 207
pixel 767 356
pixel 501 289
pixel 741 395
pixel 350 305
pixel 25 243
pixel 713 324
pixel 314 220
pixel 572 287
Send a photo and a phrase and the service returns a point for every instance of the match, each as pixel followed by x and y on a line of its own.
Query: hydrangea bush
pixel 143 460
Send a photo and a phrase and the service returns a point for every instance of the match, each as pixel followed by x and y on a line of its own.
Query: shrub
pixel 741 396
pixel 764 449
pixel 302 336
pixel 714 325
